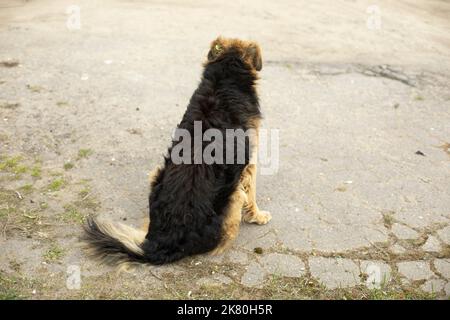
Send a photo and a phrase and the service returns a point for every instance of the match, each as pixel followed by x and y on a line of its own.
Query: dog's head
pixel 249 51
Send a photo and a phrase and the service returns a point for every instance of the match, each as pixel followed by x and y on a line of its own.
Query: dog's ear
pixel 217 47
pixel 253 56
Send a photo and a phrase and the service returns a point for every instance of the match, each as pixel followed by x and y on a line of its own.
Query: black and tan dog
pixel 197 208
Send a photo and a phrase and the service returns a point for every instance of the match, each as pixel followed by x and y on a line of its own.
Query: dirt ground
pixel 359 95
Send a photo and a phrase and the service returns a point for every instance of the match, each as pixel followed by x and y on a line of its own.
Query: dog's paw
pixel 262 217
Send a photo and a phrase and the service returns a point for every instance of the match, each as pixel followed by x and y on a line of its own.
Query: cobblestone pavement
pixel 360 197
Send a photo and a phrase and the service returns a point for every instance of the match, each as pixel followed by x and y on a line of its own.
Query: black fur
pixel 187 201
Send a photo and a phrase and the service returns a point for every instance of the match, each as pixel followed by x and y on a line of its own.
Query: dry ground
pixel 364 125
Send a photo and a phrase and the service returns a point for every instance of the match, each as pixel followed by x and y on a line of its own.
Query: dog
pixel 197 208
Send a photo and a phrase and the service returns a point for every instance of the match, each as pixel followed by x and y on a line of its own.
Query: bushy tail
pixel 114 243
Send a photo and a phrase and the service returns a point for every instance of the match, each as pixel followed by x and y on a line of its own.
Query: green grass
pixel 62 103
pixel 388 219
pixel 56 184
pixel 7 105
pixel 43 205
pixel 9 203
pixel 13 165
pixel 54 253
pixel 27 188
pixel 36 171
pixel 83 193
pixel 9 163
pixel 68 165
pixel 72 214
pixel 7 288
pixel 34 88
pixel 84 153
pixel 6 212
pixel 17 287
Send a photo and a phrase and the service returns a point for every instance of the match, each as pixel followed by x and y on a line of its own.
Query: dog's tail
pixel 114 243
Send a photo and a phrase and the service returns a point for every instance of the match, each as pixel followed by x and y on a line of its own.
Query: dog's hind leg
pixel 145 224
pixel 252 214
pixel 232 220
pixel 151 177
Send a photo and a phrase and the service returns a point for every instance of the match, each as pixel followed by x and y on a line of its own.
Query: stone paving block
pixel 444 234
pixel 443 267
pixel 335 272
pixel 404 232
pixel 415 270
pixel 447 289
pixel 432 245
pixel 433 286
pixel 283 265
pixel 254 276
pixel 238 257
pixel 397 249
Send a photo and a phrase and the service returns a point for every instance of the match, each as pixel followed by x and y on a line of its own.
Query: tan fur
pixel 152 174
pixel 232 220
pixel 129 236
pixel 145 224
pixel 249 51
pixel 252 214
pixel 151 178
pixel 244 197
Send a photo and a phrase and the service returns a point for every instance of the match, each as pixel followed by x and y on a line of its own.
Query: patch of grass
pixel 84 193
pixel 8 202
pixel 16 287
pixel 8 105
pixel 9 163
pixel 12 165
pixel 56 185
pixel 6 212
pixel 43 205
pixel 419 98
pixel 27 188
pixel 62 103
pixel 36 171
pixel 8 290
pixel 289 66
pixel 277 287
pixel 388 219
pixel 54 253
pixel 72 214
pixel 88 202
pixel 68 165
pixel 391 294
pixel 84 153
pixel 35 88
